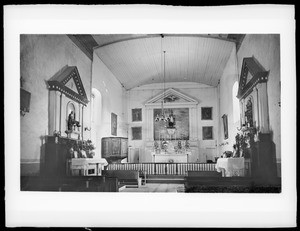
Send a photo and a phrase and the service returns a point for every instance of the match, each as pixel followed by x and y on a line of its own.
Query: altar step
pixel 167 179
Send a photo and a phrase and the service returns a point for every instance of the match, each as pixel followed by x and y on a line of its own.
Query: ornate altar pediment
pixel 172 97
pixel 252 73
pixel 68 81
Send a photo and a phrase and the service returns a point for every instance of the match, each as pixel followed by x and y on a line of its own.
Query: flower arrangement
pixel 179 146
pixel 245 139
pixel 164 145
pixel 156 146
pixel 88 148
pixel 56 133
pixel 187 145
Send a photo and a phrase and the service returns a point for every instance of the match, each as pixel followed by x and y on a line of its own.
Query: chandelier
pixel 168 117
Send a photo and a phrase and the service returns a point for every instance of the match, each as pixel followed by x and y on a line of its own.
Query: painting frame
pixel 207 133
pixel 136 133
pixel 182 121
pixel 206 113
pixel 136 114
pixel 114 124
pixel 225 126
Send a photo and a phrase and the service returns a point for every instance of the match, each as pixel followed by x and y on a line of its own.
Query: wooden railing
pixel 163 168
pixel 169 168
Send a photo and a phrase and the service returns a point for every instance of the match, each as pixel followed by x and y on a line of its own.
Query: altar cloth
pixel 170 158
pixel 87 163
pixel 232 166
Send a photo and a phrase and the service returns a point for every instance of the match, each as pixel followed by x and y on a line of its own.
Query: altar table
pixel 170 157
pixel 85 164
pixel 231 166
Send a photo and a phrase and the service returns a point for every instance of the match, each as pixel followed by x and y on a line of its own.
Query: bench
pixel 126 177
pixel 70 184
pixel 214 178
pixel 202 177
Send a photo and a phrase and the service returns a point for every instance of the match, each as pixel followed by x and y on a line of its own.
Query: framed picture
pixel 181 116
pixel 136 133
pixel 207 133
pixel 136 114
pixel 225 126
pixel 114 124
pixel 206 113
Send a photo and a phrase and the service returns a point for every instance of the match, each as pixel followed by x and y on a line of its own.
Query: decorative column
pixel 242 108
pixel 256 107
pixel 63 119
pixel 263 108
pixel 149 124
pixel 54 112
pixel 193 124
pixel 81 127
pixel 60 111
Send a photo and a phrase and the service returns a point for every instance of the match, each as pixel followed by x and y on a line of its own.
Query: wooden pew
pixel 214 178
pixel 70 184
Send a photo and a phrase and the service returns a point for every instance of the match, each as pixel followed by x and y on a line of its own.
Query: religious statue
pixel 72 122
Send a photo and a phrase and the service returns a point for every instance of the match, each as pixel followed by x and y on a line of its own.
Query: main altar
pixel 171 152
pixel 171 129
pixel 170 158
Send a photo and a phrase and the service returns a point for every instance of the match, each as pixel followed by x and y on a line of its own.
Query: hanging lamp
pixel 168 119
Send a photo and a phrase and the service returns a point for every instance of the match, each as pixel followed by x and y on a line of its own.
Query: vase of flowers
pixel 89 149
pixel 56 134
pixel 156 147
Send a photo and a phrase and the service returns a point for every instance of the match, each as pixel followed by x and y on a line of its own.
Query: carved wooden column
pixel 263 108
pixel 63 115
pixel 242 105
pixel 54 112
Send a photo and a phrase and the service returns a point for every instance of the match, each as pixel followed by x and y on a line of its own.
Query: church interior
pixel 146 112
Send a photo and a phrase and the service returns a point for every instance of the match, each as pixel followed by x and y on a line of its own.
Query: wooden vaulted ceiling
pixel 137 59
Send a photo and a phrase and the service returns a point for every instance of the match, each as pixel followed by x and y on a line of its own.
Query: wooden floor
pixel 156 187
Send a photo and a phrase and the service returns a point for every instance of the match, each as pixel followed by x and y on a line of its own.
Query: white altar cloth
pixel 232 166
pixel 87 163
pixel 170 158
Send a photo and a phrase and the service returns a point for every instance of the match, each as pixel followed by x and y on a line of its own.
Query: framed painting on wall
pixel 181 116
pixel 225 126
pixel 206 113
pixel 207 133
pixel 136 133
pixel 136 114
pixel 114 124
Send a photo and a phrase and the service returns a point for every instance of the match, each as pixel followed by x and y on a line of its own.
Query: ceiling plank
pixel 138 61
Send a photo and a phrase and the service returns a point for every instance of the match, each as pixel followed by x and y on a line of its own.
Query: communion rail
pixel 169 168
pixel 163 168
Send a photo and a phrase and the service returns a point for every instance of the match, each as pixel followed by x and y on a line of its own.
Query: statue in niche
pixel 72 122
pixel 249 114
